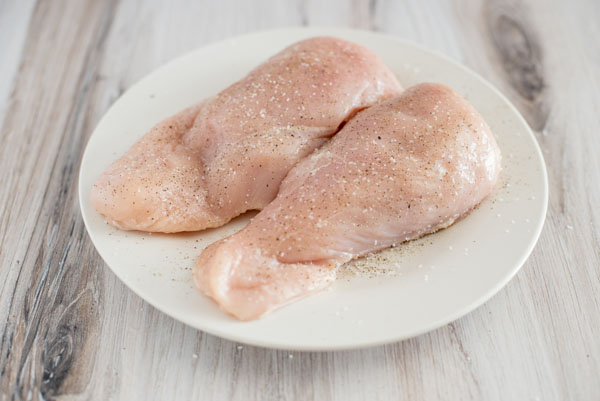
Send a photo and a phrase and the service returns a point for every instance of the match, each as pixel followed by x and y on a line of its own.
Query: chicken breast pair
pixel 409 165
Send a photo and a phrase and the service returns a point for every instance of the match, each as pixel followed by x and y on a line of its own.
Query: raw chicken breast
pixel 210 163
pixel 397 171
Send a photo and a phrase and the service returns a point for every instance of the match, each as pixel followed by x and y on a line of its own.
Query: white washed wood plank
pixel 14 20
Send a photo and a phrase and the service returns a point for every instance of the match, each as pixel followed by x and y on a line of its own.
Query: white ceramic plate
pixel 428 284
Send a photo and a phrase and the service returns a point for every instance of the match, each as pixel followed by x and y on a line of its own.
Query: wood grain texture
pixel 69 330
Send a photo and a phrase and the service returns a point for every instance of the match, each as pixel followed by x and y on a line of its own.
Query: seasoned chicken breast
pixel 397 171
pixel 212 162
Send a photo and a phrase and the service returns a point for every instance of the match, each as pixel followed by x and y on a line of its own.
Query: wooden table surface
pixel 70 330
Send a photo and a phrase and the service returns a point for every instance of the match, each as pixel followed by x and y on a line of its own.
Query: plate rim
pixel 461 312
